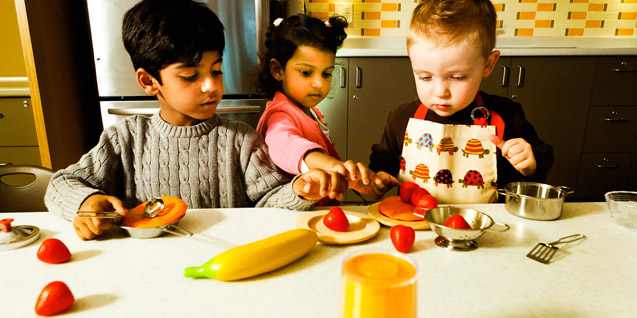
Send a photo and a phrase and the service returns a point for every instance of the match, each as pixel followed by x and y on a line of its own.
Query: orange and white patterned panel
pixel 516 18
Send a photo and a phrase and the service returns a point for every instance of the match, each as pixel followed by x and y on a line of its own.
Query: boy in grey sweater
pixel 184 150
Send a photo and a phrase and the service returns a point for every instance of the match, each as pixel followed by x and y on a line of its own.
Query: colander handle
pixel 177 231
pixel 499 227
pixel 566 190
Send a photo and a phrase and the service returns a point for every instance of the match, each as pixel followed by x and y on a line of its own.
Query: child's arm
pixel 88 228
pixel 518 152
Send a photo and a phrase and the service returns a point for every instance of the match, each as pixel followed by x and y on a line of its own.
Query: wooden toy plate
pixel 372 210
pixel 361 227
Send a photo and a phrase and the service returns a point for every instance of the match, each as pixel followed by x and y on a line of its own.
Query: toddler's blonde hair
pixel 454 19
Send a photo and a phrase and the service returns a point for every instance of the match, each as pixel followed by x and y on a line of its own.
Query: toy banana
pixel 257 257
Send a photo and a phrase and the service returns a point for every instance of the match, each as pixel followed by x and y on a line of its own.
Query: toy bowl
pixel 460 239
pixel 623 207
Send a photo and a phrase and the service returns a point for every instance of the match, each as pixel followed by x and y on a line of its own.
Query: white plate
pixel 361 227
pixel 372 210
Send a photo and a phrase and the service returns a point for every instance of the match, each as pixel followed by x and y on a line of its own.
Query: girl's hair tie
pixel 277 22
pixel 327 24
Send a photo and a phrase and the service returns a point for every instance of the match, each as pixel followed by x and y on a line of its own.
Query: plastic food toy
pixel 257 257
pixel 55 298
pixel 53 251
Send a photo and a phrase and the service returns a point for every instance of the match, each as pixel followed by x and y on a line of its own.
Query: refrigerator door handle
pixel 151 111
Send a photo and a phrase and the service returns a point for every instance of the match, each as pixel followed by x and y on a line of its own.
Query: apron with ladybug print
pixel 455 163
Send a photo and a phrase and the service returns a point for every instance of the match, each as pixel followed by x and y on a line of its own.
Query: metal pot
pixel 150 232
pixel 535 201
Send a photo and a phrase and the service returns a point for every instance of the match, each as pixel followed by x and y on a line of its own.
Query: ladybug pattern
pixel 421 172
pixel 443 177
pixel 425 141
pixel 446 145
pixel 474 147
pixel 403 165
pixel 472 178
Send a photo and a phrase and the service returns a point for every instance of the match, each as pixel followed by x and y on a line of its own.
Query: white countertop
pixel 120 276
pixel 518 46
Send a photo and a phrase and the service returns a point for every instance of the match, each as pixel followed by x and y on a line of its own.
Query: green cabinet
pixel 18 139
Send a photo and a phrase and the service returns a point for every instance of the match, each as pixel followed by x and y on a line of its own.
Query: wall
pixel 516 18
pixel 13 81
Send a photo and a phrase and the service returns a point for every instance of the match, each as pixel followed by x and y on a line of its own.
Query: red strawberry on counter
pixel 336 220
pixel 406 191
pixel 402 237
pixel 53 251
pixel 456 221
pixel 55 298
pixel 423 200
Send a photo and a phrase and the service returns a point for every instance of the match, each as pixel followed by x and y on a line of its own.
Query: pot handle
pixel 501 227
pixel 177 231
pixel 566 190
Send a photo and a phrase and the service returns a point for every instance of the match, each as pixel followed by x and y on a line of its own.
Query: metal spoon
pixel 151 210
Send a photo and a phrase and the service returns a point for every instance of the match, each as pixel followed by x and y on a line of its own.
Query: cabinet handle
pixel 607 166
pixel 342 79
pixel 624 70
pixel 2 164
pixel 359 77
pixel 505 76
pixel 520 82
pixel 614 119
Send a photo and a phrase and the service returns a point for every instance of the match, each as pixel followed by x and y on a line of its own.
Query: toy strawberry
pixel 336 220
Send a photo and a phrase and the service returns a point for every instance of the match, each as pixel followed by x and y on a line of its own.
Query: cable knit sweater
pixel 218 163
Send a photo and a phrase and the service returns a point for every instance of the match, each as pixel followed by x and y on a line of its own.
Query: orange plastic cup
pixel 378 284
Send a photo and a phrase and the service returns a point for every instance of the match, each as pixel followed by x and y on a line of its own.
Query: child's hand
pixel 358 176
pixel 383 183
pixel 317 184
pixel 518 152
pixel 88 228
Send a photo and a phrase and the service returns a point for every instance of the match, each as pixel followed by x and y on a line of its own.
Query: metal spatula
pixel 543 252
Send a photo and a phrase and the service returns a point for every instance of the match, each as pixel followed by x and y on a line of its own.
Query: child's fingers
pixel 352 170
pixel 365 174
pixel 497 141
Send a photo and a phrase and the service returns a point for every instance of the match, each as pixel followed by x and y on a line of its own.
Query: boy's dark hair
pixel 455 18
pixel 281 42
pixel 158 33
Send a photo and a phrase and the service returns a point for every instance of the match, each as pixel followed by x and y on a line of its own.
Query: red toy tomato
pixel 456 221
pixel 422 199
pixel 53 251
pixel 402 237
pixel 406 191
pixel 336 220
pixel 55 298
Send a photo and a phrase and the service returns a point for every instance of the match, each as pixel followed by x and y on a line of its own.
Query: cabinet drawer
pixel 615 79
pixel 17 126
pixel 600 173
pixel 20 155
pixel 611 129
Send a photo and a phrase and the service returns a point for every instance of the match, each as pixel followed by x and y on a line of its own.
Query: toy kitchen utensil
pixel 17 236
pixel 151 210
pixel 543 252
pixel 362 227
pixel 164 222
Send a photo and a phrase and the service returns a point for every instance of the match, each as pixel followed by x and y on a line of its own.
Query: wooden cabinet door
pixel 555 93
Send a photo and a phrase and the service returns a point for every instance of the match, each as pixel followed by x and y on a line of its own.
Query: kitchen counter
pixel 118 276
pixel 520 46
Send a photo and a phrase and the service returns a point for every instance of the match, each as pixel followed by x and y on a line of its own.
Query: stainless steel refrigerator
pixel 121 96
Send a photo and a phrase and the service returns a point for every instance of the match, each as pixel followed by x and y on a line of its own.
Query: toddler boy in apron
pixel 456 142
